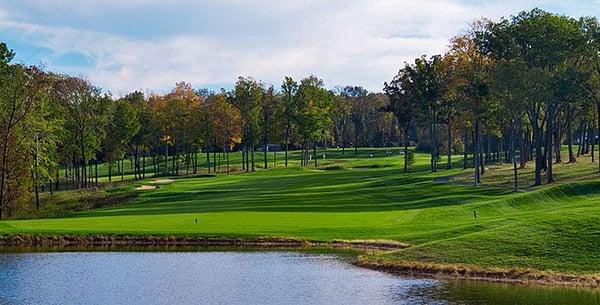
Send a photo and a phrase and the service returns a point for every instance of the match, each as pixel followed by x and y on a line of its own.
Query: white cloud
pixel 345 42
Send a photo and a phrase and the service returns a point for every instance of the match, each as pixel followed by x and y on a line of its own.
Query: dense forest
pixel 513 90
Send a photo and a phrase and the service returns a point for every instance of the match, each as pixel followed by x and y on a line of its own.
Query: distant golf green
pixel 442 216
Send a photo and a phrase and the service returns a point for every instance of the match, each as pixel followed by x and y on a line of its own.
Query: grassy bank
pixel 368 197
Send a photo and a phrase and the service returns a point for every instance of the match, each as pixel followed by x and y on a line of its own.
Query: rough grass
pixel 461 271
pixel 552 228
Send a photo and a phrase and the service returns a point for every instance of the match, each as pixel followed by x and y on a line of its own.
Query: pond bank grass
pixel 472 272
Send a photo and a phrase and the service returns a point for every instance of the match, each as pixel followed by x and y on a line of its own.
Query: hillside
pixel 549 228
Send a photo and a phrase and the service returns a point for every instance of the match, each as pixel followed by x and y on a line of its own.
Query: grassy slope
pixel 553 228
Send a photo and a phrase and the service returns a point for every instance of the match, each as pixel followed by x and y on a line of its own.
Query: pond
pixel 241 278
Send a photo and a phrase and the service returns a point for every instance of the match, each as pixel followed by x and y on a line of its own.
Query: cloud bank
pixel 149 45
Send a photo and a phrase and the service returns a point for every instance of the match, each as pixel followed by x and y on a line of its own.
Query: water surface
pixel 240 278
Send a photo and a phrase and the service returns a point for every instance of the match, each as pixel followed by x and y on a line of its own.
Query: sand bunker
pixel 162 181
pixel 145 187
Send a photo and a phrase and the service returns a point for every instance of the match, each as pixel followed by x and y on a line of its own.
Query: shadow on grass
pixel 347 191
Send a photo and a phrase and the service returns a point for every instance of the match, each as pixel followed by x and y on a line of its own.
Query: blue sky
pixel 151 44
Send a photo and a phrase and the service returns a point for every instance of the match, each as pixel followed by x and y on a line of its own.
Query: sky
pixel 148 45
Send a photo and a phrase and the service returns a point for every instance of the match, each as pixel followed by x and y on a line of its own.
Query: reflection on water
pixel 486 293
pixel 240 278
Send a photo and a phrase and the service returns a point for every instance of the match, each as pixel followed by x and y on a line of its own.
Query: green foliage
pixel 122 126
pixel 248 94
pixel 24 120
pixel 6 55
pixel 314 113
pixel 85 112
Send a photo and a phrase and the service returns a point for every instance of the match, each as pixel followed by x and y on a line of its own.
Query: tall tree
pixel 247 97
pixel 341 114
pixel 403 105
pixel 269 110
pixel 543 41
pixel 357 96
pixel 426 85
pixel 122 126
pixel 471 84
pixel 85 111
pixel 590 62
pixel 226 122
pixel 290 105
pixel 314 114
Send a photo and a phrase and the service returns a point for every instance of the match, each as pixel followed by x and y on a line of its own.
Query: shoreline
pixel 397 267
pixel 33 240
pixel 519 276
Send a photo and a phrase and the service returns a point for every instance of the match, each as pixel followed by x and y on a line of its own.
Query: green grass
pixel 369 197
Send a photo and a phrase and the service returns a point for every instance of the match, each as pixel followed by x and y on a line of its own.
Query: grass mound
pixel 69 202
pixel 556 194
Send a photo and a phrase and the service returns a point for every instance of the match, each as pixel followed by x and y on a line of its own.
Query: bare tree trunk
pixel 406 149
pixel 433 162
pixel 355 142
pixel 265 156
pixel 315 152
pixel 514 157
pixel 538 154
pixel 83 165
pixel 57 179
pixel 227 157
pixel 549 140
pixel 557 140
pixel 466 145
pixel 598 118
pixel 476 155
pixel 449 165
pixel 34 177
pixel 287 140
pixel 110 166
pixel 215 158
pixel 252 156
pixel 4 166
pixel 481 152
pixel 343 139
pixel 208 158
pixel 501 155
pixel 572 158
pixel 4 170
pixel 166 158
pixel 74 171
pixel 586 139
pixel 175 162
pixel 593 143
pixel 155 171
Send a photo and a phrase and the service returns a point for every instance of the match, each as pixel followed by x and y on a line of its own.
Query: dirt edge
pixel 466 272
pixel 31 240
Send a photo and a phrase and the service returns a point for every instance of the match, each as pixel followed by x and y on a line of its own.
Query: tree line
pixel 512 90
pixel 57 129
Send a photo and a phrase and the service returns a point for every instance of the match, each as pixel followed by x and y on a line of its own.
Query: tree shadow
pixel 385 189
